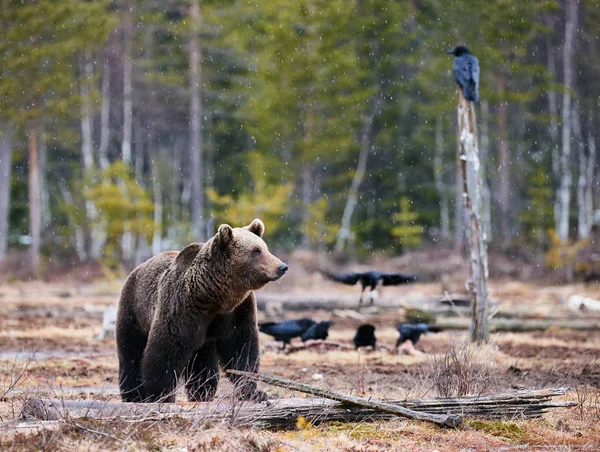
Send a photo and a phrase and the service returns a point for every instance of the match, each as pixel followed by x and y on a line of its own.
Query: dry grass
pixel 71 365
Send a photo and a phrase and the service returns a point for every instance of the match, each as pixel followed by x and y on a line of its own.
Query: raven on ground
pixel 317 331
pixel 371 279
pixel 365 336
pixel 286 330
pixel 413 331
pixel 466 72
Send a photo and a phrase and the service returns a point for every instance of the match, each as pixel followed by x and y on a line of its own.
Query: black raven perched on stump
pixel 371 279
pixel 466 72
pixel 286 330
pixel 365 336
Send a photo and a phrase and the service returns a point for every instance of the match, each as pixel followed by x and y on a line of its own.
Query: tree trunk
pixel 158 208
pixel 86 70
pixel 46 215
pixel 553 107
pixel 458 203
pixel 284 412
pixel 6 134
pixel 140 135
pixel 591 168
pixel 474 231
pixel 196 142
pixel 504 167
pixel 77 230
pixel 86 74
pixel 587 165
pixel 105 113
pixel 564 190
pixel 128 82
pixel 345 232
pixel 35 207
pixel 438 173
pixel 210 180
pixel 93 233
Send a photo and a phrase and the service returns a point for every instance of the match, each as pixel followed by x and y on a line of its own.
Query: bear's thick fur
pixel 182 314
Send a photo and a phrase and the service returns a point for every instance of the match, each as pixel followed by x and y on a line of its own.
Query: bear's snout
pixel 282 269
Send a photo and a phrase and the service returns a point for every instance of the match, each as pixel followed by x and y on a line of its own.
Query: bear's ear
pixel 225 235
pixel 187 255
pixel 256 227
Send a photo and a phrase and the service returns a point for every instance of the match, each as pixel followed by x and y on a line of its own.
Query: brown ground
pixel 51 329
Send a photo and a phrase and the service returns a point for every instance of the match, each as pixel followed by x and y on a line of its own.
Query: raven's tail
pixel 471 92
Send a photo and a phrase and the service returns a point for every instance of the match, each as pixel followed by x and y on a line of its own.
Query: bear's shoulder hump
pixel 188 254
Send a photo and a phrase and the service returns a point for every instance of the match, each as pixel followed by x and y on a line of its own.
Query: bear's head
pixel 249 259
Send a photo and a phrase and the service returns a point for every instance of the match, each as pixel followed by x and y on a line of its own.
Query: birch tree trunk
pixel 474 232
pixel 35 208
pixel 86 70
pixel 553 107
pixel 587 164
pixel 128 82
pixel 210 179
pixel 564 189
pixel 158 208
pixel 458 203
pixel 591 168
pixel 94 233
pixel 45 215
pixel 6 134
pixel 77 231
pixel 345 232
pixel 438 173
pixel 196 139
pixel 105 113
pixel 86 73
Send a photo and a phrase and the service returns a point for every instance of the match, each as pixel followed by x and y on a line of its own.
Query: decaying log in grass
pixel 460 323
pixel 448 420
pixel 321 346
pixel 283 413
pixel 318 345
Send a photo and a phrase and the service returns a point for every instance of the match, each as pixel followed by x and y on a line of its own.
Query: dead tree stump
pixel 475 239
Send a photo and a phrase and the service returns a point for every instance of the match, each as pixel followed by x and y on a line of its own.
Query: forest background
pixel 130 127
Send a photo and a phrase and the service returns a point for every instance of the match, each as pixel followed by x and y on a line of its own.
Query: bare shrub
pixel 462 370
pixel 588 403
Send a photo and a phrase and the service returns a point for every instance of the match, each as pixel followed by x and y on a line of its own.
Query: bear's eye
pixel 256 251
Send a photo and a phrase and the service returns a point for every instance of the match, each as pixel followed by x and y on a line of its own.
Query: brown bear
pixel 184 314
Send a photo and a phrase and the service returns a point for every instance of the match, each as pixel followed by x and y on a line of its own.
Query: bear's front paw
pixel 255 396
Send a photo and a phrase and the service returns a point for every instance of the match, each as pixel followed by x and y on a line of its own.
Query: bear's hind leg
pixel 130 346
pixel 202 374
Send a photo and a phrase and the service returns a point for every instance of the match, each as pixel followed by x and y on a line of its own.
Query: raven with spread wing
pixel 466 72
pixel 371 279
pixel 286 330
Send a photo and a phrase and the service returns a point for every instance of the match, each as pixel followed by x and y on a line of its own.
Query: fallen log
pixel 318 346
pixel 449 420
pixel 283 413
pixel 463 323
